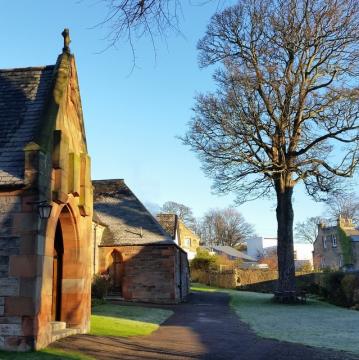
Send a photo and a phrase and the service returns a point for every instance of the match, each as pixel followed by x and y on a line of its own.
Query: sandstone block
pixel 19 306
pixel 23 265
pixel 10 329
pixel 9 287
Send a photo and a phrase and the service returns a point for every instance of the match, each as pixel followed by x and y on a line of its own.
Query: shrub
pixel 100 286
pixel 305 268
pixel 350 287
pixel 204 261
pixel 331 288
pixel 95 302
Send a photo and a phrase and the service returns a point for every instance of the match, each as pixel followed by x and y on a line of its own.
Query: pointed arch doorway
pixel 58 255
pixel 68 270
pixel 116 271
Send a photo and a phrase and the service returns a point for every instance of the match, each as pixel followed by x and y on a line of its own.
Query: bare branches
pixel 287 104
pixel 224 227
pixel 130 20
pixel 343 204
pixel 307 231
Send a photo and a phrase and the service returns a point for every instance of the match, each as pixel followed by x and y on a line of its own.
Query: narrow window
pixel 324 242
pixel 334 240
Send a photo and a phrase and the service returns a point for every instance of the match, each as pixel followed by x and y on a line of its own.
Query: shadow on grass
pixel 47 354
pixel 136 313
pixel 124 321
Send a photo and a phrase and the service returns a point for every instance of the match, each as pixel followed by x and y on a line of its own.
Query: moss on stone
pixel 346 247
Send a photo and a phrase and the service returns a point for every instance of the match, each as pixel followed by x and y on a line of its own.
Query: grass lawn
pixel 120 320
pixel 315 323
pixel 106 320
pixel 47 354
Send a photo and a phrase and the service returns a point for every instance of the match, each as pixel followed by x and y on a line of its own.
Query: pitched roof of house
pixel 169 223
pixel 128 221
pixel 228 250
pixel 351 232
pixel 24 93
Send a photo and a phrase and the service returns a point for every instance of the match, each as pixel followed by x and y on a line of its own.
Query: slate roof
pixel 352 232
pixel 233 252
pixel 23 95
pixel 128 221
pixel 169 223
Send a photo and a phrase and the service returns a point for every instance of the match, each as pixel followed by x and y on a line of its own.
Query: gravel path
pixel 203 328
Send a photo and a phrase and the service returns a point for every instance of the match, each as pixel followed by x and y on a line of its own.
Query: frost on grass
pixel 315 323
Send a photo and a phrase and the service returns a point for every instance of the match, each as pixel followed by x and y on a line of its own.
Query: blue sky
pixel 132 119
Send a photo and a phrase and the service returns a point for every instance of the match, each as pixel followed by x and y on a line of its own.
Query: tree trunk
pixel 285 249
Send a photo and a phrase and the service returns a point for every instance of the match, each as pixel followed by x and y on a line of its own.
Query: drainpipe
pixel 180 269
pixel 94 248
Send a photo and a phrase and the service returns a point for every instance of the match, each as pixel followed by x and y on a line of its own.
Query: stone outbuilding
pixel 181 234
pixel 142 260
pixel 45 206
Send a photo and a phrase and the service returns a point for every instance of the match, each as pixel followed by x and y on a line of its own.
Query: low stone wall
pixel 303 281
pixel 251 279
pixel 226 279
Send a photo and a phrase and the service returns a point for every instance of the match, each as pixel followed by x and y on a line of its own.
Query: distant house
pixel 232 254
pixel 260 246
pixel 180 233
pixel 337 247
pixel 142 260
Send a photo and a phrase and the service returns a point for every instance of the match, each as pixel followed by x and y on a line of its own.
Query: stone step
pixel 115 293
pixel 59 334
pixel 58 325
pixel 114 297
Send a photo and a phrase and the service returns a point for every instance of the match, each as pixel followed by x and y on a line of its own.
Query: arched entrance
pixel 68 271
pixel 116 272
pixel 58 255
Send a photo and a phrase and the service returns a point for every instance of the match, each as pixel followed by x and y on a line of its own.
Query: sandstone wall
pixel 151 273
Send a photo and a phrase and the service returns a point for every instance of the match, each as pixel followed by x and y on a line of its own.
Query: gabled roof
pixel 128 221
pixel 351 232
pixel 169 223
pixel 24 93
pixel 228 250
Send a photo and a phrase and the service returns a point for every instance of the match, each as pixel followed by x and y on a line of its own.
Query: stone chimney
pixel 344 222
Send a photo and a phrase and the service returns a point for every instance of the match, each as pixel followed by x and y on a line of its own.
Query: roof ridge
pixel 107 180
pixel 28 68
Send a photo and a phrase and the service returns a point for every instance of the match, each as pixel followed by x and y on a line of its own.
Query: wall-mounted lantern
pixel 43 208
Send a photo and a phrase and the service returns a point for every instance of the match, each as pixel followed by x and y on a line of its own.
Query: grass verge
pixel 315 323
pixel 121 320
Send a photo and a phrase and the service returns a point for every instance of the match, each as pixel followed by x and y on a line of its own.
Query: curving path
pixel 203 328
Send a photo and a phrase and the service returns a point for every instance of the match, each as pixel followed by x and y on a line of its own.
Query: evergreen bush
pixel 100 286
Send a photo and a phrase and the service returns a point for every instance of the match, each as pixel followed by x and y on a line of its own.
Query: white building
pixel 260 246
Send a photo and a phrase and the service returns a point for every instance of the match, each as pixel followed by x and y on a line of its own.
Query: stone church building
pixel 45 205
pixel 131 247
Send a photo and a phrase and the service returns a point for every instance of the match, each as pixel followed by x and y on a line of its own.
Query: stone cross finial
pixel 67 40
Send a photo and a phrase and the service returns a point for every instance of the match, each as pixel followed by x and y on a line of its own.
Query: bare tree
pixel 307 231
pixel 225 227
pixel 129 19
pixel 286 107
pixel 343 204
pixel 182 211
